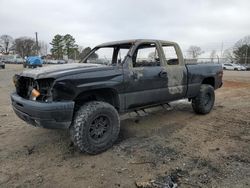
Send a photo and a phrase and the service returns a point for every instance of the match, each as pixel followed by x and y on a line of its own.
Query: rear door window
pixel 170 55
pixel 146 55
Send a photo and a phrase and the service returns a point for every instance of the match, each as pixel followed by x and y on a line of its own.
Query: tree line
pixel 64 46
pixel 24 46
pixel 239 52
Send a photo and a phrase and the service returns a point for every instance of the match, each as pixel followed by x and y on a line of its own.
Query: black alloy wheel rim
pixel 99 128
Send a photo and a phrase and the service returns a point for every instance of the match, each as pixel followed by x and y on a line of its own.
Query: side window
pixel 170 55
pixel 146 55
pixel 102 56
pixel 122 54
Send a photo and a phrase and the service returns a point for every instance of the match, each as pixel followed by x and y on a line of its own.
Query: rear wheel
pixel 95 127
pixel 204 101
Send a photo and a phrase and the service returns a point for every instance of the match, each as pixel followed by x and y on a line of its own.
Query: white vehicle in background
pixel 242 67
pixel 227 66
pixel 239 67
pixel 233 66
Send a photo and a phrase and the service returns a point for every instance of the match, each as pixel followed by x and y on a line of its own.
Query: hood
pixel 55 71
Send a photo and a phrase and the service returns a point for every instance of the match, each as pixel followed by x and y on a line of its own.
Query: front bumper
pixel 53 115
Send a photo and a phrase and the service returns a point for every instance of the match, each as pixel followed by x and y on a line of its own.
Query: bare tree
pixel 244 41
pixel 229 55
pixel 25 46
pixel 6 42
pixel 194 51
pixel 213 55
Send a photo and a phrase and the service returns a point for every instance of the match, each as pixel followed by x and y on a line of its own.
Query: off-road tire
pixel 204 101
pixel 85 119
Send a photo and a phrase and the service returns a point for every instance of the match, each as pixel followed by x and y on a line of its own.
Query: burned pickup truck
pixel 114 78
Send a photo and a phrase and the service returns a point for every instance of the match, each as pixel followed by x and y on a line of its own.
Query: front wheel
pixel 95 127
pixel 204 101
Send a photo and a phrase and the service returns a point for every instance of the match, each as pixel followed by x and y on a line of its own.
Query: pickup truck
pixel 113 78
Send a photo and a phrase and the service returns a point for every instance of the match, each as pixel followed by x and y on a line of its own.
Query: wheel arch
pixel 209 81
pixel 108 95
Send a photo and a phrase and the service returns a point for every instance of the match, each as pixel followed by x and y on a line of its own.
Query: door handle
pixel 163 74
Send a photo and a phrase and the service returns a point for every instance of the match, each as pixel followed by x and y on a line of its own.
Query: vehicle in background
pixel 239 67
pixel 12 59
pixel 2 64
pixel 233 66
pixel 50 61
pixel 247 66
pixel 33 62
pixel 228 66
pixel 61 61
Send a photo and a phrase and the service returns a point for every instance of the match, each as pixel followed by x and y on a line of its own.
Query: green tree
pixel 242 54
pixel 70 48
pixel 242 50
pixel 85 52
pixel 57 49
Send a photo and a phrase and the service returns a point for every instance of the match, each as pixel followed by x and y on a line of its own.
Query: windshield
pixel 111 55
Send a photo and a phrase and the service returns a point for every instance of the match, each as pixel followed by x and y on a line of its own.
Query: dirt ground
pixel 191 150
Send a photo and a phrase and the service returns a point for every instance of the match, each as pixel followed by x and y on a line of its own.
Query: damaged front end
pixel 36 90
pixel 33 102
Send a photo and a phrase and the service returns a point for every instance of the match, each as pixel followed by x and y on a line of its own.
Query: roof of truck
pixel 133 41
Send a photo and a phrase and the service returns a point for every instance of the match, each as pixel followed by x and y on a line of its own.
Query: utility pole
pixel 221 49
pixel 218 59
pixel 246 57
pixel 36 43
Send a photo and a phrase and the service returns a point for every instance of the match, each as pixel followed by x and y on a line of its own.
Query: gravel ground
pixel 161 147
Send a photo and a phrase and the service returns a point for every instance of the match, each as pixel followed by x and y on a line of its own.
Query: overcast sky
pixel 206 23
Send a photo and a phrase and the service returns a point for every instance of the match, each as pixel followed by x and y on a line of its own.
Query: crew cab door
pixel 145 76
pixel 176 71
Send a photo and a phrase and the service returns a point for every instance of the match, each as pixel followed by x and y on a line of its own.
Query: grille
pixel 25 85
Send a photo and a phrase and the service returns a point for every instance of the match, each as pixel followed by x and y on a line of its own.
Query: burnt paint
pixel 135 87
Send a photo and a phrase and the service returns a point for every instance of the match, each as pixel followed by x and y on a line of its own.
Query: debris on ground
pixel 30 150
pixel 156 184
pixel 195 151
pixel 168 181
